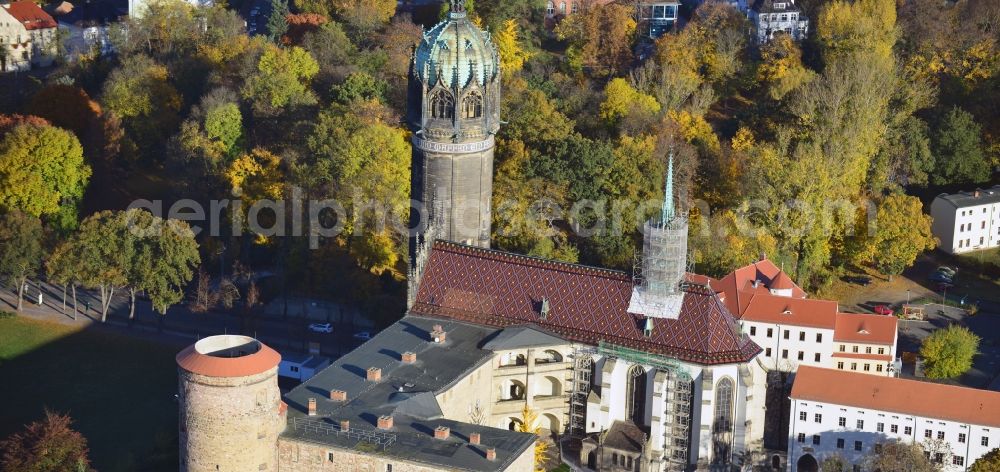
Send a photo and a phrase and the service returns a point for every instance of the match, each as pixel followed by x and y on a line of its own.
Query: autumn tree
pixel 600 38
pixel 901 232
pixel 47 445
pixel 69 107
pixel 9 122
pixel 900 455
pixel 301 23
pixel 282 79
pixel 621 99
pixel 512 52
pixel 141 94
pixel 781 69
pixel 989 462
pixel 948 352
pixel 42 172
pixel 526 424
pixel 20 249
pixel 958 150
pixel 364 15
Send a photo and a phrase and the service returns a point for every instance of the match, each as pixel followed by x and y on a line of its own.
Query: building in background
pixel 657 18
pixel 771 17
pixel 853 416
pixel 967 221
pixel 28 37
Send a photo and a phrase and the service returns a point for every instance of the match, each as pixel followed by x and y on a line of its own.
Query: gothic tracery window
pixel 722 430
pixel 636 395
pixel 472 106
pixel 442 105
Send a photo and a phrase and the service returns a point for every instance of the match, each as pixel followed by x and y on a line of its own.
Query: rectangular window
pixel 893 428
pixel 842 348
pixel 867 367
pixel 784 353
pixel 818 418
pixel 767 352
pixel 802 355
pixel 842 421
pixel 854 366
pixel 938 457
pixel 786 334
pixel 878 367
pixel 868 350
pixel 840 365
pixel 802 335
pixel 857 445
pixel 940 434
pixel 961 437
pixel 802 416
pixel 880 427
pixel 816 439
pixel 985 442
pixel 958 460
pixel 388 468
pixel 819 337
pixel 854 348
pixel 802 437
pixel 861 424
pixel 840 443
pixel 907 430
pixel 928 433
pixel 881 350
pixel 816 357
pixel 329 457
pixel 770 332
pixel 753 331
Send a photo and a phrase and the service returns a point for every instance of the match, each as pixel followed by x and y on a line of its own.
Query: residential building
pixel 28 37
pixel 794 330
pixel 853 415
pixel 967 221
pixel 657 18
pixel 771 17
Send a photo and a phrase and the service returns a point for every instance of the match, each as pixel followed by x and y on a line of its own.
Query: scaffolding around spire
pixel 667 212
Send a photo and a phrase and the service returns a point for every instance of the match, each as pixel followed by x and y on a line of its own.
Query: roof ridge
pixel 532 261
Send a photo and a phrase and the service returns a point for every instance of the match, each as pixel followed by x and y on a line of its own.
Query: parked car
pixel 949 271
pixel 321 328
pixel 883 310
pixel 940 277
pixel 861 280
pixel 363 335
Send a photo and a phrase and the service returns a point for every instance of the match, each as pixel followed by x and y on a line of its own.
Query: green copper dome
pixel 456 52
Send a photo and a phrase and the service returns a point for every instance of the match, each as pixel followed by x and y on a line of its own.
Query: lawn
pixel 118 389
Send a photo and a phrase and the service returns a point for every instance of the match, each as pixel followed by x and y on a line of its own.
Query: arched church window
pixel 550 9
pixel 636 395
pixel 562 8
pixel 472 106
pixel 722 430
pixel 442 105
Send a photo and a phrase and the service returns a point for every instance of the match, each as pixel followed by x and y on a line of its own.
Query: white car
pixel 363 335
pixel 321 328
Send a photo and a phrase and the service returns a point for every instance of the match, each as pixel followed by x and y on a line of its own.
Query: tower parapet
pixel 230 411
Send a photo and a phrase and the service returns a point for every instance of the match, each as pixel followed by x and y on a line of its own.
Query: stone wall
pixel 229 423
pixel 299 456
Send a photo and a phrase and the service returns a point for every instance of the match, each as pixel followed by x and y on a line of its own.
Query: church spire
pixel 667 213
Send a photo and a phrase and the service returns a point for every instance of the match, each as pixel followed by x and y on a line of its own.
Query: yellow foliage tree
pixel 694 129
pixel 621 99
pixel 256 176
pixel 527 425
pixel 781 66
pixel 512 54
pixel 861 26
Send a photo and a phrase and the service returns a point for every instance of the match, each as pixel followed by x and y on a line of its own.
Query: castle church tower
pixel 454 112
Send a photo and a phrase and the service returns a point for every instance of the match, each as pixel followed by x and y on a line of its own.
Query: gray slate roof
pixel 408 393
pixel 520 337
pixel 967 199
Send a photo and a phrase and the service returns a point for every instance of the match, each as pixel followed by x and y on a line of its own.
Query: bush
pixel 948 352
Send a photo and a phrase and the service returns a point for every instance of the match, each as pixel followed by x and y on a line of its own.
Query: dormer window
pixel 779 6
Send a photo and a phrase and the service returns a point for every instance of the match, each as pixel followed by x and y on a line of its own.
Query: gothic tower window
pixel 636 395
pixel 442 106
pixel 722 431
pixel 472 106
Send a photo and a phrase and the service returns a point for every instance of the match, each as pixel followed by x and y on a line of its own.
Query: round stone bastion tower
pixel 230 409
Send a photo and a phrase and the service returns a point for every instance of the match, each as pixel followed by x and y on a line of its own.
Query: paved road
pixel 179 323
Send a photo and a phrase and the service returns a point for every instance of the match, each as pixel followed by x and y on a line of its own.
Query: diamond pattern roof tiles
pixel 586 304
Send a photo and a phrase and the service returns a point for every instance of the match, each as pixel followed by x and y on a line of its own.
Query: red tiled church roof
pixel 30 15
pixel 586 304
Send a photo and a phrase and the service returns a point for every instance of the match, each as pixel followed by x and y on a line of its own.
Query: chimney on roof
pixel 648 329
pixel 544 311
pixel 442 432
pixel 374 374
pixel 438 334
pixel 312 407
pixel 408 357
pixel 491 454
pixel 345 425
pixel 385 422
pixel 338 395
pixel 474 439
